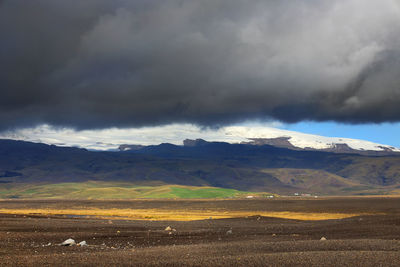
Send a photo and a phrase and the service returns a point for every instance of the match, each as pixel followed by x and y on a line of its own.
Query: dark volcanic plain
pixel 366 240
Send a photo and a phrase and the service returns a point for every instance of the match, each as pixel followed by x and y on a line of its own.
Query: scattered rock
pixel 168 228
pixel 68 242
pixel 229 232
pixel 323 239
pixel 82 244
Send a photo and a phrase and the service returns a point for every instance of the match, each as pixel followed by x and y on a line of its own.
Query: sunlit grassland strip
pixel 176 215
pixel 116 190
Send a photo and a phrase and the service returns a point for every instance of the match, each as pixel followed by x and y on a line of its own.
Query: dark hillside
pixel 238 166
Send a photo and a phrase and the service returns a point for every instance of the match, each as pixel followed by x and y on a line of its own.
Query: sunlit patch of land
pixel 116 190
pixel 176 215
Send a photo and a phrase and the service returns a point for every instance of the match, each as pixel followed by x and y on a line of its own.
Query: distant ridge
pixel 193 143
pixel 284 142
pixel 297 140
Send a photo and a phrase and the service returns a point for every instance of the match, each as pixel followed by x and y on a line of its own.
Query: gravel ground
pixel 368 240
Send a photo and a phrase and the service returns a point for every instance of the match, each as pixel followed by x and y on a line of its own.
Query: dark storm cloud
pixel 101 63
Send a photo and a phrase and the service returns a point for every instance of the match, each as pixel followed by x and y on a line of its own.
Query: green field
pixel 115 190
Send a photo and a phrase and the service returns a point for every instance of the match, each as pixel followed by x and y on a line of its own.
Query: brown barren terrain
pixel 370 238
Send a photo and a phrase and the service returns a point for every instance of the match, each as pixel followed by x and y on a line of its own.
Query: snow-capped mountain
pixel 296 140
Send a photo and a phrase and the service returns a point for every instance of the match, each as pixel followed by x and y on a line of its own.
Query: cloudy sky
pixel 326 67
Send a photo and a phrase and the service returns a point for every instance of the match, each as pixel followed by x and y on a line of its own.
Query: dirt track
pixel 360 241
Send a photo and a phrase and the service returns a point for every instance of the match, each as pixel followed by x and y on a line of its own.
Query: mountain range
pixel 304 141
pixel 110 140
pixel 248 167
pixel 285 142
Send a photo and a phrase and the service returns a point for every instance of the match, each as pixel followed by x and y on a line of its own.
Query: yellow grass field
pixel 176 215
